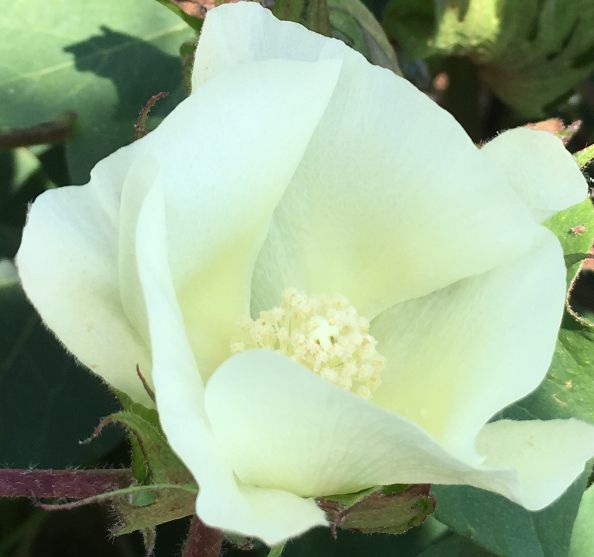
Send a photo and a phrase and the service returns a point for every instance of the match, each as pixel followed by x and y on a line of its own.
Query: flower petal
pixel 222 501
pixel 281 426
pixel 226 155
pixel 389 181
pixel 244 32
pixel 68 264
pixel 461 354
pixel 77 260
pixel 546 455
pixel 539 168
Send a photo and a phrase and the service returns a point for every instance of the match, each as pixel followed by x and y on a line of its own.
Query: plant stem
pixel 202 541
pixel 72 484
pixel 47 132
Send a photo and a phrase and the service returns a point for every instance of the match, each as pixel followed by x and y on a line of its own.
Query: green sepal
pixel 170 502
pixel 138 465
pixel 166 489
pixel 388 510
pixel 160 462
pixel 242 543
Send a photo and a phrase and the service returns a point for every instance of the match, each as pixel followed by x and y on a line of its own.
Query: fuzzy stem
pixel 71 484
pixel 202 541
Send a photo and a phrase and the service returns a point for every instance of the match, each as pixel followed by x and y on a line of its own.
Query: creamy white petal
pixel 546 455
pixel 226 155
pixel 539 168
pixel 461 354
pixel 227 164
pixel 389 190
pixel 282 426
pixel 244 32
pixel 272 515
pixel 68 264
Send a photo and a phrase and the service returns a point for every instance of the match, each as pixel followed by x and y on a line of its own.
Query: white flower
pixel 412 263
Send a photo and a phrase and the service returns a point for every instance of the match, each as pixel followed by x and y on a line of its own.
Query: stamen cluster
pixel 324 333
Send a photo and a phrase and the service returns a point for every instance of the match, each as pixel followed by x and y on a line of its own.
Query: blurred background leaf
pixel 506 529
pixel 102 60
pixel 530 53
pixel 582 537
pixel 48 403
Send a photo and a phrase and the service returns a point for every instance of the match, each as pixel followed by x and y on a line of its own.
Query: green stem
pixel 276 550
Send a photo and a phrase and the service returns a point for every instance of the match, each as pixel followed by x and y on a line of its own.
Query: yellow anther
pixel 324 333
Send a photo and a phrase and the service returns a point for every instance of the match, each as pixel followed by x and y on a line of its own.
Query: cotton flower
pixel 329 286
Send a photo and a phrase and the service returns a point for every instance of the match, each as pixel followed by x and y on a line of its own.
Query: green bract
pixel 295 163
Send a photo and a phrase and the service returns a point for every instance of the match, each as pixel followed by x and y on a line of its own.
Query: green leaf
pixel 48 402
pixel 355 25
pixel 311 13
pixel 531 53
pixel 568 389
pixel 454 546
pixel 506 529
pixel 193 19
pixel 101 60
pixel 574 228
pixel 585 156
pixel 582 537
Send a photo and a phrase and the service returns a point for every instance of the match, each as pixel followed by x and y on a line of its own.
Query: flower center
pixel 324 333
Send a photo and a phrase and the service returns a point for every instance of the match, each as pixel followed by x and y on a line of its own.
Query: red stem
pixel 202 541
pixel 72 484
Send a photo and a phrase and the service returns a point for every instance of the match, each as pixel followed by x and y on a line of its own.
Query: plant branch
pixel 55 131
pixel 202 541
pixel 71 484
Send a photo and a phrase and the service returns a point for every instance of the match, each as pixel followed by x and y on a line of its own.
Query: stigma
pixel 322 332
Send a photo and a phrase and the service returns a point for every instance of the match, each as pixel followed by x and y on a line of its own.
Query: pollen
pixel 324 333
